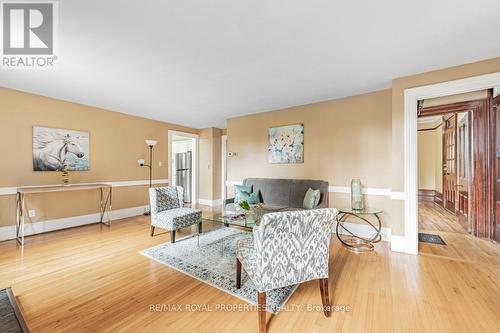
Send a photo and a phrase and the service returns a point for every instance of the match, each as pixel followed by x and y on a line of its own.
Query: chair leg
pixel 238 273
pixel 152 231
pixel 325 297
pixel 262 312
pixel 172 236
pixel 200 228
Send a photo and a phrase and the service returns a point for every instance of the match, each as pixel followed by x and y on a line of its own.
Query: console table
pixel 105 201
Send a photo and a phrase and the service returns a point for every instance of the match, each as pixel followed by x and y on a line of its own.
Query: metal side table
pixel 349 238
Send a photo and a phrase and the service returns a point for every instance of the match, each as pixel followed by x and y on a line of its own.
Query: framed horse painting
pixel 56 149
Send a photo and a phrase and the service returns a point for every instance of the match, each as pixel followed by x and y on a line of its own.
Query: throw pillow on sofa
pixel 311 198
pixel 254 198
pixel 251 198
pixel 239 190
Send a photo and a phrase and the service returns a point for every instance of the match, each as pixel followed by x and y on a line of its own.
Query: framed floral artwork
pixel 286 144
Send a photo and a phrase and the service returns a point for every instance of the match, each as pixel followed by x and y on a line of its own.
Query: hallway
pixel 432 216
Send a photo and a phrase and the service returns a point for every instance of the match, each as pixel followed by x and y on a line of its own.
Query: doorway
pixel 408 242
pixel 182 163
pixel 443 174
pixel 455 173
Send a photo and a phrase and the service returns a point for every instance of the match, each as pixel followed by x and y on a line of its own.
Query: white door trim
pixel 195 137
pixel 223 168
pixel 409 242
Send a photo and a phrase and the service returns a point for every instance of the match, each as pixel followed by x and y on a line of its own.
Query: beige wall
pixel 438 167
pixel 343 139
pixel 427 160
pixel 217 162
pixel 430 158
pixel 210 163
pixel 116 142
pixel 205 173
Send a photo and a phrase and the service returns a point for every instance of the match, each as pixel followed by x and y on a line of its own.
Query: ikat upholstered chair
pixel 287 248
pixel 167 211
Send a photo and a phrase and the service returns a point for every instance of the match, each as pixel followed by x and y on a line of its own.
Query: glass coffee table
pixel 225 219
pixel 233 218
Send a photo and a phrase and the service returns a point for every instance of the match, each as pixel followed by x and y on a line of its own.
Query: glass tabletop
pixel 241 219
pixel 361 212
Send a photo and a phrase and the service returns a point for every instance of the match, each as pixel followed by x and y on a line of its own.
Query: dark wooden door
pixel 463 171
pixel 450 162
pixel 496 115
pixel 483 174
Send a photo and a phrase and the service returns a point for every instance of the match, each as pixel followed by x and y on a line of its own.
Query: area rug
pixel 8 319
pixel 430 238
pixel 212 259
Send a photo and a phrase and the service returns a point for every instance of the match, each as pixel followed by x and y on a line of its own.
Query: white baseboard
pixel 365 231
pixel 9 232
pixel 211 203
pixel 399 244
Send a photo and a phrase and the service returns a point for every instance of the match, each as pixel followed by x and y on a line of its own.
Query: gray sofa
pixel 286 194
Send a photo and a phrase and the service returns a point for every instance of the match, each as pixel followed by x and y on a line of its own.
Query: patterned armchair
pixel 167 211
pixel 287 248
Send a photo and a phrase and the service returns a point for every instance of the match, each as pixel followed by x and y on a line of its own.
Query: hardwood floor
pixel 92 279
pixel 432 216
pixel 460 245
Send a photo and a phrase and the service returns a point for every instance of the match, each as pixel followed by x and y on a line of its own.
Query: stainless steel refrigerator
pixel 183 173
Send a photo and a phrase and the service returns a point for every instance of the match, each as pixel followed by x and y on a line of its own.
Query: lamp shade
pixel 141 162
pixel 151 142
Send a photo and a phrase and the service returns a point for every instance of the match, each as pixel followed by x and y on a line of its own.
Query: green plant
pixel 244 204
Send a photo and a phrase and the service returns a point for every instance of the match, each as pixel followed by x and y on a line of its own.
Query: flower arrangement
pixel 244 205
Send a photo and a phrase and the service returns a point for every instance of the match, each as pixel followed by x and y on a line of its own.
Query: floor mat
pixel 430 238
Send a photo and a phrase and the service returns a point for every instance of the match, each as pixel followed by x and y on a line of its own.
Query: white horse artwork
pixel 54 149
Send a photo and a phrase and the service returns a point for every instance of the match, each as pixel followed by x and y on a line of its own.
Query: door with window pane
pixel 450 162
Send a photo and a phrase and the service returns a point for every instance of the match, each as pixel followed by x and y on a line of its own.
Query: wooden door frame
pixel 496 101
pixel 482 168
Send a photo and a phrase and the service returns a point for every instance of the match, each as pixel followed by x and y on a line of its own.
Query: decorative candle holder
pixel 65 175
pixel 258 211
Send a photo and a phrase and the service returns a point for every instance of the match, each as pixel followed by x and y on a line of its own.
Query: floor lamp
pixel 151 144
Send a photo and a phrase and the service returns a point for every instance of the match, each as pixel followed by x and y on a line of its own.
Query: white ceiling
pixel 197 63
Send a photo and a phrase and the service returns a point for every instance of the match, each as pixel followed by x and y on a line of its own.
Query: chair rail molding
pixel 346 189
pixel 211 203
pixel 409 242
